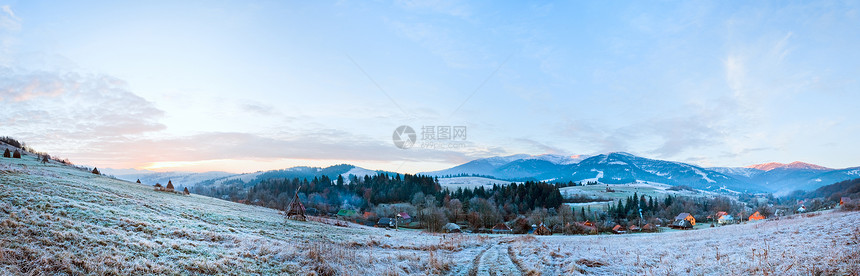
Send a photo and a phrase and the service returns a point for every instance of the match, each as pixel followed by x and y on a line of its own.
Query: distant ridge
pixel 793 165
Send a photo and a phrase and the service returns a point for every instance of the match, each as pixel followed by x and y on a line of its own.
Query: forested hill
pixel 848 188
pixel 327 195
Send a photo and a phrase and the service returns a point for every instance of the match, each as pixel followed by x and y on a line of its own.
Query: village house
pixel 684 221
pixel 649 228
pixel 618 229
pixel 587 227
pixel 633 228
pixel 385 223
pixel 756 216
pixel 726 219
pixel 404 218
pixel 717 215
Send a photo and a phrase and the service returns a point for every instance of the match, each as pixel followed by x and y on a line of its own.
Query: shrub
pixel 432 219
pixel 851 206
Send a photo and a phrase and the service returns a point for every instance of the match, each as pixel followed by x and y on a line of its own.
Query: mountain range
pixel 609 168
pixel 215 178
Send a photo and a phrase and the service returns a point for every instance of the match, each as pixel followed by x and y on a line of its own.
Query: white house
pixel 726 219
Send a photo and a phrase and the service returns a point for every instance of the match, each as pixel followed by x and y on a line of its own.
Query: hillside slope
pixel 59 220
pixel 825 243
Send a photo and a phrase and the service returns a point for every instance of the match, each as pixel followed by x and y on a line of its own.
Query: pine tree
pixel 96 171
pixel 7 154
pixel 17 154
pixel 138 181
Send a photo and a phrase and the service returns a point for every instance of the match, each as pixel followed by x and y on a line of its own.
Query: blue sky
pixel 244 86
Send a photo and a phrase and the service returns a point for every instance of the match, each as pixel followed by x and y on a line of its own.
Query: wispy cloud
pixel 10 25
pixel 258 108
pixel 42 107
pixel 8 20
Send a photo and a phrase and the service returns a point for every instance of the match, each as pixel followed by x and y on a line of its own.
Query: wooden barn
pixel 502 228
pixel 542 230
pixel 649 228
pixel 756 216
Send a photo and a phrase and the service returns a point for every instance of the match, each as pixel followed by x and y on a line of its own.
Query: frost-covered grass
pixel 827 244
pixel 59 220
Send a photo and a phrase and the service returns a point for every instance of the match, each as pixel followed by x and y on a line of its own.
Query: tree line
pixel 519 204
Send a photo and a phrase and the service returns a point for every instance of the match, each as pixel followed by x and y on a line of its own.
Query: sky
pixel 243 86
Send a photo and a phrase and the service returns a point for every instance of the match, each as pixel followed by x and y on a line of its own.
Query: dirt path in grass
pixel 494 261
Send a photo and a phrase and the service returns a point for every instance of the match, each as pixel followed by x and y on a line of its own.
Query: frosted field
pixel 827 244
pixel 58 220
